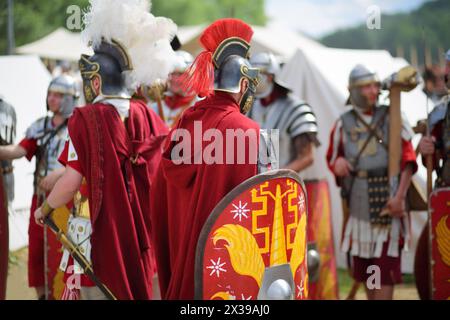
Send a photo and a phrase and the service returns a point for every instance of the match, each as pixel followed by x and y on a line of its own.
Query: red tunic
pixel 36 274
pixel 187 193
pixel 118 163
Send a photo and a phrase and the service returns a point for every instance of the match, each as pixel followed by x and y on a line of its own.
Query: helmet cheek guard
pixel 108 64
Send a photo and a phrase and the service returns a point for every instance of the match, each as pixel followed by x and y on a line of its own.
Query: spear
pixel 78 257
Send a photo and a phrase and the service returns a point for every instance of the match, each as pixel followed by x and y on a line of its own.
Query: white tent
pixel 23 83
pixel 282 42
pixel 59 45
pixel 319 75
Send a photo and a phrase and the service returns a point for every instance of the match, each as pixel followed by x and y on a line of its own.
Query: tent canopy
pixel 62 44
pixel 280 41
pixel 59 45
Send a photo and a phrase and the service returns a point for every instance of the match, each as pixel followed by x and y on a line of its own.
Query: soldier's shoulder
pixel 347 113
pixel 297 103
pixel 236 120
pixel 37 127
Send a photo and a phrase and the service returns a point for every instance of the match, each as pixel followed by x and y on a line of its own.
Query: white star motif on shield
pixel 244 298
pixel 301 202
pixel 300 290
pixel 240 211
pixel 216 267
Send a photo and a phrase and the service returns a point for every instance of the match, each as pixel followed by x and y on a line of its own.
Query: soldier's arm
pixel 12 152
pixel 65 188
pixel 50 180
pixel 63 192
pixel 396 205
pixel 304 151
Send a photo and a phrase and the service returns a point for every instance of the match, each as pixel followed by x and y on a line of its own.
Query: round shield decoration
pixel 253 245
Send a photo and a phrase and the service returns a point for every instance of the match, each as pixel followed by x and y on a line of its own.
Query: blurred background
pixel 318 41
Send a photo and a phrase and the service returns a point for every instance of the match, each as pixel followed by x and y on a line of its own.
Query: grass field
pixel 18 283
pixel 406 291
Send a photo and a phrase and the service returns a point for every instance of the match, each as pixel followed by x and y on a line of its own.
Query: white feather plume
pixel 145 37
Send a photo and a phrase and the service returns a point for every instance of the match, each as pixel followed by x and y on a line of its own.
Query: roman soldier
pixel 7 137
pixel 377 227
pixel 45 140
pixel 277 108
pixel 191 182
pixel 175 100
pixel 113 151
pixel 438 144
pixel 432 276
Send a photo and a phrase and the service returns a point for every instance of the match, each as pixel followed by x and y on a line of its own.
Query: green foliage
pixel 194 12
pixel 34 19
pixel 400 30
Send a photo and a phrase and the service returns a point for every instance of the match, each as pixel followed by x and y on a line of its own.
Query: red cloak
pixel 118 163
pixel 187 193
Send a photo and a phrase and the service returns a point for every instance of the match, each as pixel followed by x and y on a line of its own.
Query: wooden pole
pixel 395 142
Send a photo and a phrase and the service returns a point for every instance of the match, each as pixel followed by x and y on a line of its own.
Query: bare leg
pixel 386 292
pixel 40 291
pixel 369 293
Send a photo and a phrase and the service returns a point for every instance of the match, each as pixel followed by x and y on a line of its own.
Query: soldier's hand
pixel 39 217
pixel 396 207
pixel 342 167
pixel 426 146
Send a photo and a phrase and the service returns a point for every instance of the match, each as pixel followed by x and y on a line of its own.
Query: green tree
pixel 401 30
pixel 34 19
pixel 194 12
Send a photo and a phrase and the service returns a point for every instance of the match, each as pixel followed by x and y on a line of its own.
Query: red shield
pixel 440 243
pixel 259 225
pixel 320 232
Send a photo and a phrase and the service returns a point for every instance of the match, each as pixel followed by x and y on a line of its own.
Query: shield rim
pixel 220 207
pixel 431 235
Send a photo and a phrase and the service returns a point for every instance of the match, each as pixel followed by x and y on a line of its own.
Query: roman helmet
pixel 67 86
pixel 224 64
pixel 131 48
pixel 360 76
pixel 108 63
pixel 267 64
pixel 174 85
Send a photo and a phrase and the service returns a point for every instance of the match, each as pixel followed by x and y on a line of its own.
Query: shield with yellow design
pixel 253 245
pixel 440 243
